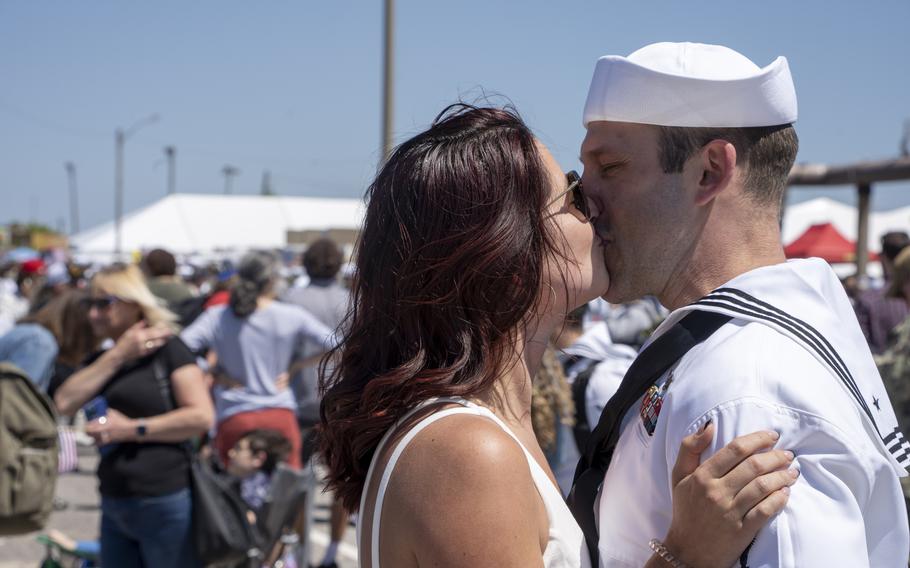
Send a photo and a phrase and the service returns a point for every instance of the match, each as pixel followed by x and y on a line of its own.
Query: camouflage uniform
pixel 894 366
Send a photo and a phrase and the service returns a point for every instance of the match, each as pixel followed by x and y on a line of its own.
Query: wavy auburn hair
pixel 450 264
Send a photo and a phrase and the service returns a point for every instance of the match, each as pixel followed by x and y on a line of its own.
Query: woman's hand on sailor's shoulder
pixel 720 505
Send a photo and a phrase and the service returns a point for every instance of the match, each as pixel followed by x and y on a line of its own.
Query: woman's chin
pixel 603 287
pixel 599 291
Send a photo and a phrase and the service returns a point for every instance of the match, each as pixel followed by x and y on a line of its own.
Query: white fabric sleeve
pixel 822 523
pixel 200 335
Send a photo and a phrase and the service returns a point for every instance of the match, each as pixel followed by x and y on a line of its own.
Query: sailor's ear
pixel 715 164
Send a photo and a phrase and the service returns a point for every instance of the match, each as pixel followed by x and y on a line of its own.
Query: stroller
pixel 291 491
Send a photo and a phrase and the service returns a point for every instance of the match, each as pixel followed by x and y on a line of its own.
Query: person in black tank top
pixel 146 509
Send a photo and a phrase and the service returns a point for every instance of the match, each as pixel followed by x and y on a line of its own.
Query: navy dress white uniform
pixel 792 359
pixel 782 351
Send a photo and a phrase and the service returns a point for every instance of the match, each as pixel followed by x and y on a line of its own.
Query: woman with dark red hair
pixel 474 248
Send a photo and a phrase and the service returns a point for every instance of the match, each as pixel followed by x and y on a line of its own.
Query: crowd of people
pixel 163 370
pixel 241 358
pixel 530 367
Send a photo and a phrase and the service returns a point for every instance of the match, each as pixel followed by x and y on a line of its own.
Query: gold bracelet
pixel 661 550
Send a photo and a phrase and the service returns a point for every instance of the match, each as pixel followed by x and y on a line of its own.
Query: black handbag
pixel 222 533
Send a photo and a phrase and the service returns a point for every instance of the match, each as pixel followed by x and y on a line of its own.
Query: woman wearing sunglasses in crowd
pixel 147 397
pixel 474 248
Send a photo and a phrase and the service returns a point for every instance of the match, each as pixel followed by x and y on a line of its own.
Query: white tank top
pixel 566 543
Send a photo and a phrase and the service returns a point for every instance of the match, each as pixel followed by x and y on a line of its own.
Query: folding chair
pixel 290 491
pixel 57 555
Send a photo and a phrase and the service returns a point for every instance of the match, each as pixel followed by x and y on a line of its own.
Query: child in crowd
pixel 253 460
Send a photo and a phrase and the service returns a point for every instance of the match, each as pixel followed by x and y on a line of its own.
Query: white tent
pixel 212 224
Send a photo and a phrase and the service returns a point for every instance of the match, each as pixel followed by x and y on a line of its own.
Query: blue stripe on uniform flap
pixel 746 309
pixel 733 300
pixel 898 446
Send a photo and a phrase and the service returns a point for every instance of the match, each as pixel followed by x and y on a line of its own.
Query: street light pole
pixel 387 75
pixel 229 172
pixel 120 138
pixel 171 153
pixel 74 199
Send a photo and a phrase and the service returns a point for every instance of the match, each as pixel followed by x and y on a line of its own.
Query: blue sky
pixel 294 87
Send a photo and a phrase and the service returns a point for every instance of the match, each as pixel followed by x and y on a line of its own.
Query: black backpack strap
pixel 163 380
pixel 647 368
pixel 582 430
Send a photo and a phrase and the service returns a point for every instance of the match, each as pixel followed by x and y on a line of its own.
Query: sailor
pixel 686 158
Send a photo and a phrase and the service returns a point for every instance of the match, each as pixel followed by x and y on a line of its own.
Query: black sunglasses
pixel 101 303
pixel 579 202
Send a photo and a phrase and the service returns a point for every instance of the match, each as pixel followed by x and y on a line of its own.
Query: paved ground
pixel 80 520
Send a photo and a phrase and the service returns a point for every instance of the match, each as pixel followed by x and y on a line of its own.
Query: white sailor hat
pixel 690 84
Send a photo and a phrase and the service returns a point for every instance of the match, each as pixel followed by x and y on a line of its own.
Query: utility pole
pixel 905 139
pixel 74 198
pixel 388 61
pixel 266 187
pixel 120 138
pixel 229 172
pixel 171 153
pixel 119 141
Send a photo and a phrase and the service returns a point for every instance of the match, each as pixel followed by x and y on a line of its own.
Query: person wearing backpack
pixel 28 453
pixel 144 473
pixel 48 346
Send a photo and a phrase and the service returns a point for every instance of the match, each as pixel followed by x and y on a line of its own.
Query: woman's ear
pixel 716 162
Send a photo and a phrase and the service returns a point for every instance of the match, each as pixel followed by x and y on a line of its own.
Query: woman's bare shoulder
pixel 460 481
pixel 462 450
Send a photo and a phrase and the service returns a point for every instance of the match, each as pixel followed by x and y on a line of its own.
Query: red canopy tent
pixel 824 241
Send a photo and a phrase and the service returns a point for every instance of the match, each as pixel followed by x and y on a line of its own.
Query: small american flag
pixel 68 459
